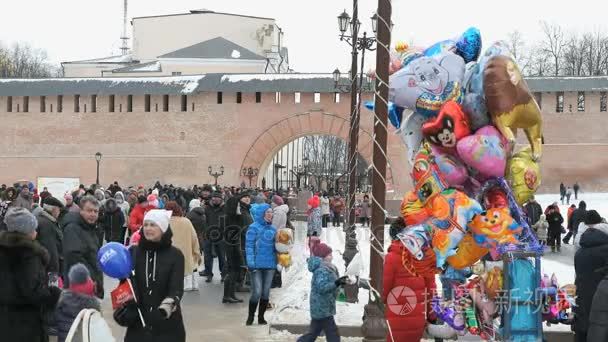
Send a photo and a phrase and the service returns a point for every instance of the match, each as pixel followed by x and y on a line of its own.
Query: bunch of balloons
pixel 457 111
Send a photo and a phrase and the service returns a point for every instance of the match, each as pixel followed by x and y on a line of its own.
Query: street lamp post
pixel 98 156
pixel 355 87
pixel 305 163
pixel 216 174
pixel 250 173
pixel 277 167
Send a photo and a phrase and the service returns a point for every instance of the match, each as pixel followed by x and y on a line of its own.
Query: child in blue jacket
pixel 324 290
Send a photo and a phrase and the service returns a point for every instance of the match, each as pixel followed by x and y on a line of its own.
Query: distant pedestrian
pixel 324 210
pixel 314 217
pixel 569 193
pixel 555 220
pixel 533 211
pixel 541 227
pixel 365 211
pixel 576 188
pixel 577 217
pixel 185 239
pixel 562 192
pixel 337 205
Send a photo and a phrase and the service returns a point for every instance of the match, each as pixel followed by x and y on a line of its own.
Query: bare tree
pixel 539 62
pixel 572 59
pixel 553 43
pixel 517 47
pixel 23 61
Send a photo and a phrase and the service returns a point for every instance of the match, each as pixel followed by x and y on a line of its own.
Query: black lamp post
pixel 250 173
pixel 277 167
pixel 305 163
pixel 216 174
pixel 358 82
pixel 98 156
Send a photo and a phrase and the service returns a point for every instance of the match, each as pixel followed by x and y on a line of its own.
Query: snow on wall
pixel 272 77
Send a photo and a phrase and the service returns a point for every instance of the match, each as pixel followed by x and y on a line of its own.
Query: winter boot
pixel 261 311
pixel 252 308
pixel 209 279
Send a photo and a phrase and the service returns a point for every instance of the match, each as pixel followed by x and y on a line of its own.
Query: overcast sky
pixel 83 29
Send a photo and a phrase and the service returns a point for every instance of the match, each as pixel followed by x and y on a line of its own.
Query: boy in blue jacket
pixel 324 290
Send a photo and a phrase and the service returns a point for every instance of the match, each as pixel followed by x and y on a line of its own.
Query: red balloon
pixel 448 127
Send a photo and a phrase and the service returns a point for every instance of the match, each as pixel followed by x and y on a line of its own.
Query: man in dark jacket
pixel 50 235
pixel 533 211
pixel 112 221
pixel 238 219
pixel 590 263
pixel 555 220
pixel 213 234
pixel 598 316
pixel 577 217
pixel 80 244
pixel 25 297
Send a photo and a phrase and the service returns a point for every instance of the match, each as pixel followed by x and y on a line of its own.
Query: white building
pixel 197 42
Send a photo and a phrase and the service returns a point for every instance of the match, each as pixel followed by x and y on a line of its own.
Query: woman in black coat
pixel 591 265
pixel 25 297
pixel 555 220
pixel 112 221
pixel 158 283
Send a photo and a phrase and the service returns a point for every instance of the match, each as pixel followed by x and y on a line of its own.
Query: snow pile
pixel 152 66
pixel 272 77
pixel 235 54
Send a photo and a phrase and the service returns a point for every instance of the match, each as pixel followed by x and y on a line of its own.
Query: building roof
pixel 568 83
pixel 153 66
pixel 202 11
pixel 101 86
pixel 218 47
pixel 247 83
pixel 121 59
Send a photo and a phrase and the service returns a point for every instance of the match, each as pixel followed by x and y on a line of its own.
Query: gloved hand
pixel 155 316
pixel 127 314
pixel 341 281
pixel 54 297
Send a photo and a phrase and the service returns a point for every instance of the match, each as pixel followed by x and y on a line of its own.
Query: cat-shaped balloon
pixel 495 227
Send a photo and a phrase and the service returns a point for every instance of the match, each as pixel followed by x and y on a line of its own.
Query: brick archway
pixel 280 133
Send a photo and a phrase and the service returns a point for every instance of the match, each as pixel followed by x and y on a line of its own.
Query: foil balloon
pixel 115 260
pixel 450 211
pixel 523 174
pixel 493 228
pixel 395 113
pixel 495 198
pixel 448 127
pixel 415 239
pixel 438 48
pixel 424 84
pixel 410 132
pixel 448 314
pixel 427 178
pixel 283 245
pixel 484 151
pixel 467 254
pixel 510 103
pixel 468 46
pixel 451 168
pixel 412 210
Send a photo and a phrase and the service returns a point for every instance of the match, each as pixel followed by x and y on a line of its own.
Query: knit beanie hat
pixel 152 200
pixel 278 200
pixel 20 220
pixel 321 250
pixel 49 202
pixel 592 217
pixel 195 203
pixel 160 217
pixel 80 280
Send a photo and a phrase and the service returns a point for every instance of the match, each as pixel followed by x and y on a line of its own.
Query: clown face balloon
pixel 415 239
pixel 523 173
pixel 424 84
pixel 448 127
pixel 485 151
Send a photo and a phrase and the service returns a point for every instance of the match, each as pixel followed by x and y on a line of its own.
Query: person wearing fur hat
pixel 50 235
pixel 70 206
pixel 323 292
pixel 79 296
pixel 590 265
pixel 25 294
pixel 24 200
pixel 314 217
pixel 9 195
pixel 261 259
pixel 158 282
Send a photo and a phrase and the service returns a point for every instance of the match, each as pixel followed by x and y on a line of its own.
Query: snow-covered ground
pixel 292 301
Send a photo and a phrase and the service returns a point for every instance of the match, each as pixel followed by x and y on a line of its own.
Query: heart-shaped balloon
pixel 451 168
pixel 424 84
pixel 448 127
pixel 485 151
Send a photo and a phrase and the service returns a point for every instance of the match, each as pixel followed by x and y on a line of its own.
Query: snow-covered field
pixel 292 302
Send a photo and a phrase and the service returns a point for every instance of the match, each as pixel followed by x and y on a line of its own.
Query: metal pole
pixel 353 139
pixel 374 325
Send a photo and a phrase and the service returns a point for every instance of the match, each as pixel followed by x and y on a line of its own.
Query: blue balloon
pixel 468 45
pixel 439 48
pixel 395 113
pixel 115 260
